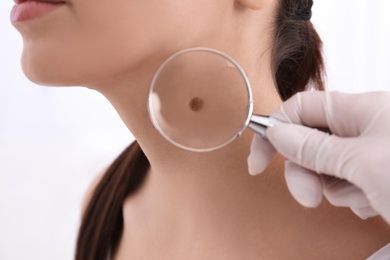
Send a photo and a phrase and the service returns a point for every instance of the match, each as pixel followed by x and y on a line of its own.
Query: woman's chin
pixel 47 75
pixel 45 80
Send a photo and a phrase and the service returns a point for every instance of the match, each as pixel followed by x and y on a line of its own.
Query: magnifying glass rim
pixel 247 85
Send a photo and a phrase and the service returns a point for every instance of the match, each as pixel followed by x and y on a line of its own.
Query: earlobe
pixel 255 4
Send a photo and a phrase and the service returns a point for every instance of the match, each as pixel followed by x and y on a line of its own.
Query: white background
pixel 54 140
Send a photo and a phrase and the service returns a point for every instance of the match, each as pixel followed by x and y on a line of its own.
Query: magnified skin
pixel 200 100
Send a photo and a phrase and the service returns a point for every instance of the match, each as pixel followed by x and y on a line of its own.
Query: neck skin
pixel 187 193
pixel 206 202
pixel 173 170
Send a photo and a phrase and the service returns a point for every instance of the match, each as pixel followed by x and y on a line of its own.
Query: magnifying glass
pixel 200 100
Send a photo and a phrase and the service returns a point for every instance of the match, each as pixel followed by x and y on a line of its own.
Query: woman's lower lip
pixel 31 9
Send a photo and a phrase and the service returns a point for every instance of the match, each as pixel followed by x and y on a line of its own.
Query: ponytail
pixel 297 60
pixel 102 223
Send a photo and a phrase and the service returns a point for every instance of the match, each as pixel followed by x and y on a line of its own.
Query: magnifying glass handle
pixel 259 124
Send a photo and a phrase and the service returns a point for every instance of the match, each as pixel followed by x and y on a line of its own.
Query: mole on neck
pixel 196 104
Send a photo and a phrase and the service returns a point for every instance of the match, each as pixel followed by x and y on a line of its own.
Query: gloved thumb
pixel 304 185
pixel 260 155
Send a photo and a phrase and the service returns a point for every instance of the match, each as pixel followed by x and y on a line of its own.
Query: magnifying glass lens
pixel 200 100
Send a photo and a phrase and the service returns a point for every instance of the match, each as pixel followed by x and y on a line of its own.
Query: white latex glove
pixel 351 167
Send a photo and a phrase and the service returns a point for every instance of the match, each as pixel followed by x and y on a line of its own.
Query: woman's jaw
pixel 117 48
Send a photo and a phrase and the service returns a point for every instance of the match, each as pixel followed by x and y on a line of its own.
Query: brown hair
pixel 102 223
pixel 297 65
pixel 297 53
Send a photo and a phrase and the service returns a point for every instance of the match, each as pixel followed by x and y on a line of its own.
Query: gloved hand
pixel 351 167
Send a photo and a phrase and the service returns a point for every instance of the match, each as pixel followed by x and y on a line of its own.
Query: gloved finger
pixel 380 203
pixel 261 154
pixel 327 110
pixel 365 212
pixel 304 185
pixel 341 193
pixel 311 148
pixel 295 110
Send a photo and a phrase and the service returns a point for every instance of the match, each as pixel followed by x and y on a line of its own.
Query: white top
pixel 383 254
